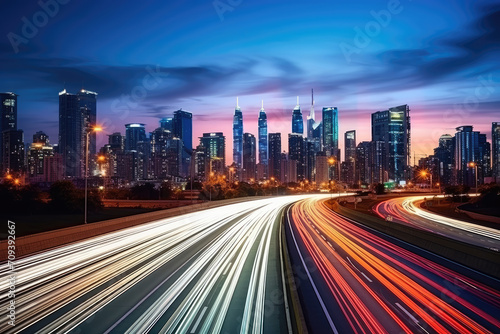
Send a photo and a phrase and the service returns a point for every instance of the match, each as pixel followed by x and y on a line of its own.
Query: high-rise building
pixel 392 127
pixel 310 119
pixel 322 170
pixel 296 153
pixel 363 163
pixel 135 139
pixel 330 121
pixel 297 120
pixel 38 151
pixel 275 155
pixel 238 138
pixel 445 154
pixel 116 142
pixel 214 144
pixel 41 137
pixel 263 140
pixel 377 160
pixel 87 102
pixel 309 159
pixel 71 134
pixel 183 129
pixel 8 118
pixel 350 157
pixel 160 144
pixel 13 151
pixel 134 133
pixel 249 157
pixel 77 115
pixel 167 124
pixel 471 153
pixel 495 150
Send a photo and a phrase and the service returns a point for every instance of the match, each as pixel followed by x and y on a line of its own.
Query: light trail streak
pixel 205 254
pixel 406 210
pixel 396 276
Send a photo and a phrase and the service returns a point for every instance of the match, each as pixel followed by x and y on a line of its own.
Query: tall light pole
pixel 424 174
pixel 473 164
pixel 331 162
pixel 89 130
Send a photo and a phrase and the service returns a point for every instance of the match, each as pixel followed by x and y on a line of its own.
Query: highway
pixel 214 271
pixel 405 210
pixel 355 280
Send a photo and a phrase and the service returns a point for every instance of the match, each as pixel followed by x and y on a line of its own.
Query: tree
pixel 379 189
pixel 64 197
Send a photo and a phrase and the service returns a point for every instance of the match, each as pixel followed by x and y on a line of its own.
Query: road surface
pixel 355 280
pixel 405 210
pixel 213 271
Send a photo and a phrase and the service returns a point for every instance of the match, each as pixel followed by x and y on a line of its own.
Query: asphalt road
pixel 213 271
pixel 405 210
pixel 355 280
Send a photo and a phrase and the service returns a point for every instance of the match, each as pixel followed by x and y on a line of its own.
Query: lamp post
pixel 473 164
pixel 89 130
pixel 331 162
pixel 424 173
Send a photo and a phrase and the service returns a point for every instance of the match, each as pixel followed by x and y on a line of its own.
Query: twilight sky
pixel 147 59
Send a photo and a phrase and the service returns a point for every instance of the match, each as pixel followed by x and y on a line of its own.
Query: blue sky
pixel 441 58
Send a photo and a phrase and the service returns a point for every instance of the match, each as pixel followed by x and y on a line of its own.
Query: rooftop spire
pixel 237 104
pixel 262 107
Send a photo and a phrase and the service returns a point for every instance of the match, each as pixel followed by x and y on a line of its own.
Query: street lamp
pixel 473 164
pixel 331 162
pixel 424 174
pixel 210 184
pixel 89 130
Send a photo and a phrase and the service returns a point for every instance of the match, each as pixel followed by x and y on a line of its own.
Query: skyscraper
pixel 8 121
pixel 310 118
pixel 87 102
pixel 214 144
pixel 71 134
pixel 263 139
pixel 38 151
pixel 135 145
pixel 350 156
pixel 495 150
pixel 77 115
pixel 363 163
pixel 296 153
pixel 134 133
pixel 182 124
pixel 471 147
pixel 13 152
pixel 167 124
pixel 249 157
pixel 392 127
pixel 445 154
pixel 275 155
pixel 238 138
pixel 330 122
pixel 297 120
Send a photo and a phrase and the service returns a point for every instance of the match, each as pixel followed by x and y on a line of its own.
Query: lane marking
pixel 323 306
pixel 407 313
pixel 323 237
pixel 369 280
pixel 199 319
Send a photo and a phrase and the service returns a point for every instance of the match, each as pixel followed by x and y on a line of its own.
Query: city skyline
pixel 201 65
